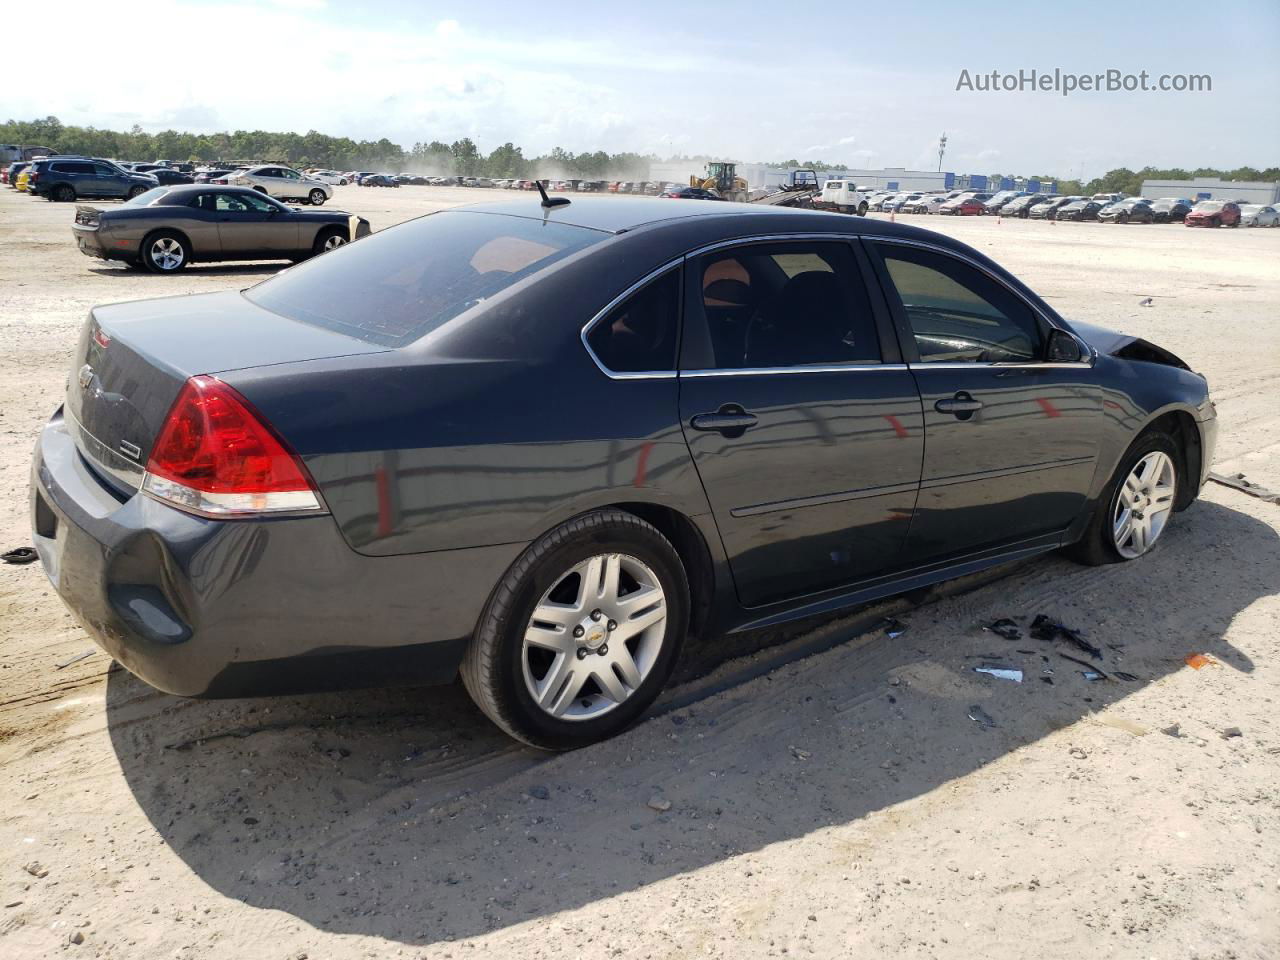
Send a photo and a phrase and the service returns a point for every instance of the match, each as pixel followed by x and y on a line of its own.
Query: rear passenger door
pixel 1010 439
pixel 803 422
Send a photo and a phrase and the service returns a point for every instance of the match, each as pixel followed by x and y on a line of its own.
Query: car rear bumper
pixel 89 240
pixel 214 608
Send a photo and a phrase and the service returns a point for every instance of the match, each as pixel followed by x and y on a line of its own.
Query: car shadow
pixel 404 814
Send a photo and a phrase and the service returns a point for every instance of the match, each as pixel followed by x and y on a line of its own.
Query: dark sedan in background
pixel 1133 210
pixel 167 228
pixel 1170 210
pixel 542 444
pixel 378 180
pixel 1021 206
pixel 1048 211
pixel 1080 210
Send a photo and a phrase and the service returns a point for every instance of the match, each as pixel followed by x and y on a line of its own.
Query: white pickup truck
pixel 844 196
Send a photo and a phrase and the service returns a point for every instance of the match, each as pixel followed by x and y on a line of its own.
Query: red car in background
pixel 969 207
pixel 1214 213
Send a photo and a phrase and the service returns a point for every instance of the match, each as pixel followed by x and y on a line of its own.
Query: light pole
pixel 942 148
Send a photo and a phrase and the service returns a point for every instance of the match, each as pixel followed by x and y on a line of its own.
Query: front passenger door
pixel 1010 439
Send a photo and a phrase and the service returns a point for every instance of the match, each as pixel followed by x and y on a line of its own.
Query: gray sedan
pixel 166 228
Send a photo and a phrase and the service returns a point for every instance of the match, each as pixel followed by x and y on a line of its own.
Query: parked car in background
pixel 1048 211
pixel 207 174
pixel 1131 210
pixel 169 177
pixel 1170 209
pixel 65 179
pixel 876 201
pixel 689 193
pixel 999 199
pixel 1214 213
pixel 843 196
pixel 963 206
pixel 899 200
pixel 283 183
pixel 1021 206
pixel 1080 210
pixel 326 479
pixel 331 177
pixel 167 228
pixel 1106 198
pixel 11 172
pixel 929 203
pixel 378 180
pixel 1259 215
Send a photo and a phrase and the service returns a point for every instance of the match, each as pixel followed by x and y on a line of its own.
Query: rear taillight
pixel 217 457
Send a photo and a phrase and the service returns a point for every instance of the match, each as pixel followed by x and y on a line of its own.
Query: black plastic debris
pixel 1004 627
pixel 1042 628
pixel 981 717
pixel 1126 677
pixel 20 555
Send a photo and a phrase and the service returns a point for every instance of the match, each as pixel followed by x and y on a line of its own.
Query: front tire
pixel 317 197
pixel 862 209
pixel 581 634
pixel 328 240
pixel 1137 506
pixel 166 251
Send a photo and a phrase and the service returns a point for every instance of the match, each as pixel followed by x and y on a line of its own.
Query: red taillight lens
pixel 216 456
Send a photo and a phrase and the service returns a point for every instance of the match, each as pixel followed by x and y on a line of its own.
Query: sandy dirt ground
pixel 824 793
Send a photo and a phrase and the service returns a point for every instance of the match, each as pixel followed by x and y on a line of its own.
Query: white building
pixel 1211 188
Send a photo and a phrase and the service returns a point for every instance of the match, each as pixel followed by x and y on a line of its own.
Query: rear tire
pixel 1098 546
pixel 63 193
pixel 135 192
pixel 166 251
pixel 507 669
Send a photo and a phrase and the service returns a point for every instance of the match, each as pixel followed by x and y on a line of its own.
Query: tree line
pixel 313 149
pixel 458 158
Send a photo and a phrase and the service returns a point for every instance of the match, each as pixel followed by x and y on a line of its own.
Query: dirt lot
pixel 829 797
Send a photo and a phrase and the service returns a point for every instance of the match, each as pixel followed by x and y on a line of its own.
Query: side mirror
pixel 1063 348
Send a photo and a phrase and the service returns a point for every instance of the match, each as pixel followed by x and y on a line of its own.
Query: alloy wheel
pixel 167 254
pixel 1144 504
pixel 334 240
pixel 594 637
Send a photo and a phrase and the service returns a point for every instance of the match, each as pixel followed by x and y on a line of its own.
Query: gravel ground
pixel 825 794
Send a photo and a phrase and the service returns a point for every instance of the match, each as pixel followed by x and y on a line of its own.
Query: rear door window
pixel 399 284
pixel 763 306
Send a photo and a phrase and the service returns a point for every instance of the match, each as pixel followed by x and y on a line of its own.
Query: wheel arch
pixel 1181 426
pixel 694 552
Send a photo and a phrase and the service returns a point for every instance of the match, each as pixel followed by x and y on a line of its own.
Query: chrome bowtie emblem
pixel 86 376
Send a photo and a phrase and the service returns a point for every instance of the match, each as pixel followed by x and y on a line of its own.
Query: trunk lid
pixel 133 358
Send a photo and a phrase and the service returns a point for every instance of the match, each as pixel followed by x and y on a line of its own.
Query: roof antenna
pixel 549 202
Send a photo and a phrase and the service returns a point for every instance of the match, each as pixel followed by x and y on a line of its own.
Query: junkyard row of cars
pixel 1103 207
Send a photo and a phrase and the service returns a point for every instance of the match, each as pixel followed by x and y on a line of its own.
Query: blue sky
pixel 873 86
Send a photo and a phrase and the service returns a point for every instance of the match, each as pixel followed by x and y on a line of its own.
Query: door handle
pixel 731 420
pixel 962 405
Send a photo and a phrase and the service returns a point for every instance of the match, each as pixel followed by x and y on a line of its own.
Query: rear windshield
pixel 398 285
